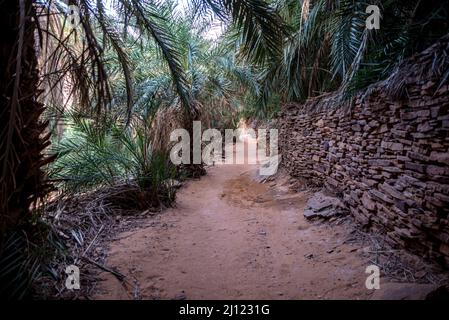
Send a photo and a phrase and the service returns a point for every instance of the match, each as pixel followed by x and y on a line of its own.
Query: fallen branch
pixel 118 275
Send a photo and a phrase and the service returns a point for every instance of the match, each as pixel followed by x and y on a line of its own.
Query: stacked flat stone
pixel 388 158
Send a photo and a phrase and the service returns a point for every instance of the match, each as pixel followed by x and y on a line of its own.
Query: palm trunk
pixel 22 139
pixel 192 170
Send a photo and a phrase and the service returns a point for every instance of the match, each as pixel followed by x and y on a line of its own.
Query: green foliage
pixel 329 47
pixel 407 27
pixel 216 80
pixel 110 42
pixel 24 255
pixel 123 69
pixel 17 268
pixel 271 52
pixel 91 156
pixel 256 25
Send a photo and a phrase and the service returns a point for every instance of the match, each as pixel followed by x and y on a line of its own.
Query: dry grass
pixel 397 265
pixel 84 224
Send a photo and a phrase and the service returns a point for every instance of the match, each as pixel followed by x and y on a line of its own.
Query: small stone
pixel 402 291
pixel 420 274
pixel 394 146
pixel 367 202
pixel 320 123
pixel 180 296
pixel 442 157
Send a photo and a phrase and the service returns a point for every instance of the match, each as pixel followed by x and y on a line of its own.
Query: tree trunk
pixel 192 170
pixel 22 133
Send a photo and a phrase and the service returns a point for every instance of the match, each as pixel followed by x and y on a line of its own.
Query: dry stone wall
pixel 386 156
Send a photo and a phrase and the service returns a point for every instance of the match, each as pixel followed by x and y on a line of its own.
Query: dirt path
pixel 231 237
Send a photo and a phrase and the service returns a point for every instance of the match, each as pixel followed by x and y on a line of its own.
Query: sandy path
pixel 230 237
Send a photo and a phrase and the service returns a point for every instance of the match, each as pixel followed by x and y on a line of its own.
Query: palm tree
pixel 22 132
pixel 329 47
pixel 45 60
pixel 32 27
pixel 90 156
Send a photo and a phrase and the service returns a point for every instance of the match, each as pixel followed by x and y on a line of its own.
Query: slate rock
pixel 402 291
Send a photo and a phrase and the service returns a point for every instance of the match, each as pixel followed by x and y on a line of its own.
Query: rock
pixel 172 183
pixel 415 167
pixel 367 202
pixel 319 202
pixel 380 195
pixel 379 162
pixel 444 249
pixel 387 158
pixel 323 206
pixel 391 191
pixel 437 170
pixel 180 296
pixel 442 157
pixel 394 146
pixel 424 127
pixel 309 213
pixel 420 274
pixel 402 291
